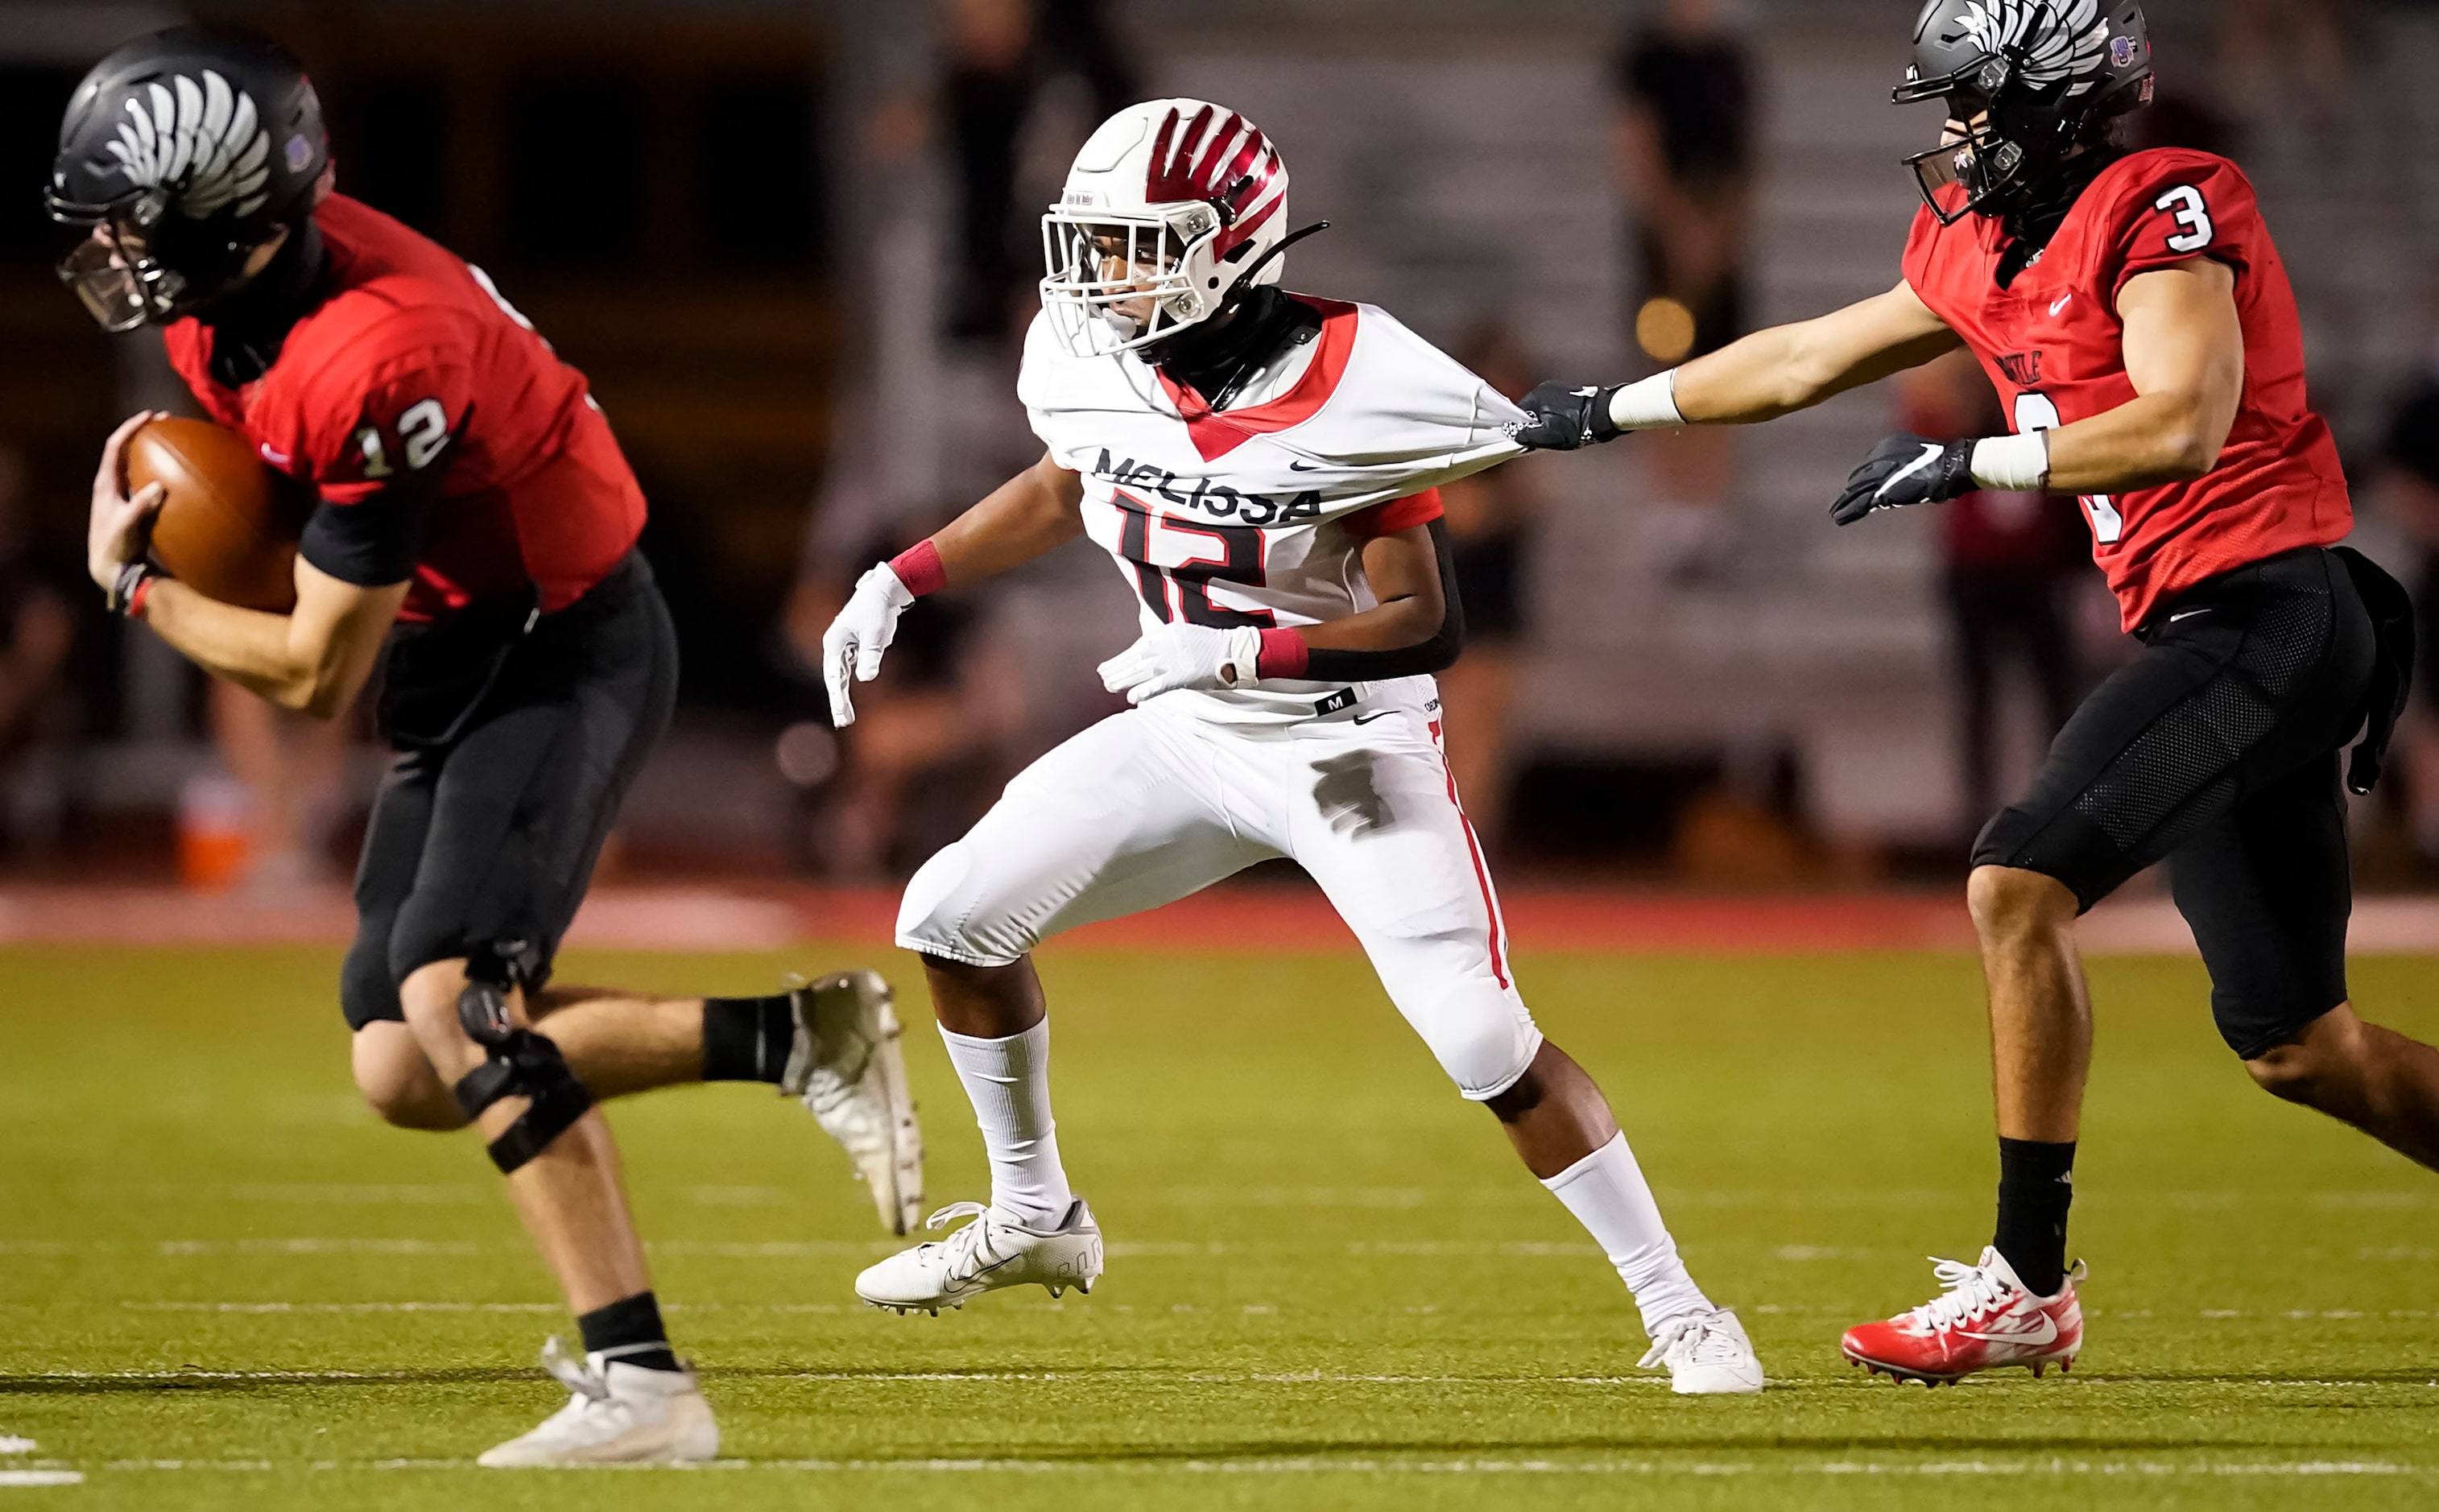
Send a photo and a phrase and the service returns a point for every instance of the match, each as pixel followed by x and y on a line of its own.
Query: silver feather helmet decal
pixel 203 142
pixel 2061 39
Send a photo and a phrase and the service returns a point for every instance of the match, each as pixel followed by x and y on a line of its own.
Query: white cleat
pixel 616 1415
pixel 1706 1354
pixel 847 1069
pixel 994 1251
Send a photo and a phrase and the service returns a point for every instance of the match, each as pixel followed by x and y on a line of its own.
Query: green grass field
pixel 223 1285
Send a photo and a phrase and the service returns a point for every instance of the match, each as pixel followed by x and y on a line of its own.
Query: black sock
pixel 747 1039
pixel 630 1332
pixel 2036 1184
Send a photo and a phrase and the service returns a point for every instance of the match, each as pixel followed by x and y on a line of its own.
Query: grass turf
pixel 222 1283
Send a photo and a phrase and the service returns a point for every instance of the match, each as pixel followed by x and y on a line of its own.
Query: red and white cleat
pixel 1985 1319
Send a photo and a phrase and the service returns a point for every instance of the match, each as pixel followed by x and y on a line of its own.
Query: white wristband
pixel 2015 462
pixel 1647 404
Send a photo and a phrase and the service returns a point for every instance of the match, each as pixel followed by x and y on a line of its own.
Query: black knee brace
pixel 493 971
pixel 522 1064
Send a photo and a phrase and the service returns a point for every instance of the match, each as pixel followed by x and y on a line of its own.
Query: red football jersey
pixel 410 344
pixel 2053 346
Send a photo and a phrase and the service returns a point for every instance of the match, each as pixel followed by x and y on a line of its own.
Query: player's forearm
pixel 1418 627
pixel 1387 627
pixel 1028 516
pixel 266 654
pixel 2148 440
pixel 1787 368
pixel 1794 366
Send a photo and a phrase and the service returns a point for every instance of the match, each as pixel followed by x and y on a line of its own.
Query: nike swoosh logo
pixel 1367 718
pixel 1930 454
pixel 2185 613
pixel 277 460
pixel 2046 1335
pixel 1304 467
pixel 2060 303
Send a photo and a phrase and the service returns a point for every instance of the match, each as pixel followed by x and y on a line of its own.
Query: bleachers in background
pixel 1463 153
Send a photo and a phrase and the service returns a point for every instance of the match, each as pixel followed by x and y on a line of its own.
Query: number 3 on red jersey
pixel 2192 214
pixel 2035 412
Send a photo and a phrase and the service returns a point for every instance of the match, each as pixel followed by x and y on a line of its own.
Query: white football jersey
pixel 1257 514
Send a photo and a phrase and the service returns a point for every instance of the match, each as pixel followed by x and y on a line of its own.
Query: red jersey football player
pixel 2133 313
pixel 475 514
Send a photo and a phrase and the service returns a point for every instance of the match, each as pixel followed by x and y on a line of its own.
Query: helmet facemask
pixel 1115 282
pixel 181 156
pixel 2001 135
pixel 141 263
pixel 2017 112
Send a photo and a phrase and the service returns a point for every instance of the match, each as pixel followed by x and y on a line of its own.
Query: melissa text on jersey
pixel 1218 499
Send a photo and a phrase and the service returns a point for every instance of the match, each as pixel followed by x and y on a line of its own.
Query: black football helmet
pixel 181 153
pixel 2026 82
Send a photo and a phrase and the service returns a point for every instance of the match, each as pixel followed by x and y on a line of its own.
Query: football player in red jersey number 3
pixel 472 512
pixel 2131 309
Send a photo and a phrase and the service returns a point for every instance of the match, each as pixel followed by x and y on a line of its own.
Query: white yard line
pixel 1325 1465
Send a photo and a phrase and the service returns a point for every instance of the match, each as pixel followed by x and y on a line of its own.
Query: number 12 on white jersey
pixel 2035 412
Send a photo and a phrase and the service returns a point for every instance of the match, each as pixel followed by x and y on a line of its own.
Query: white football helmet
pixel 1169 206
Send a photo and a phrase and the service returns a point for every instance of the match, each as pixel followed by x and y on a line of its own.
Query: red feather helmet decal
pixel 1232 169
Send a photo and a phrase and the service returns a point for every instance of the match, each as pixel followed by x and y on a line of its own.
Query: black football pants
pixel 493 837
pixel 2217 750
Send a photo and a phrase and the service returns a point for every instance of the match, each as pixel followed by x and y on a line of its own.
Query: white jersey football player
pixel 1264 468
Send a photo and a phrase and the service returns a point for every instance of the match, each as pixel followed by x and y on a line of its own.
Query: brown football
pixel 229 526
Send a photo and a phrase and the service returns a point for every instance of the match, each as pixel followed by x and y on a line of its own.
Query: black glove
pixel 1905 469
pixel 1562 416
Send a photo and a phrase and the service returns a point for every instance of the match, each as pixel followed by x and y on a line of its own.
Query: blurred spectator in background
pixel 1683 147
pixel 37 716
pixel 933 736
pixel 293 773
pixel 1489 518
pixel 2408 489
pixel 2285 56
pixel 2008 561
pixel 999 54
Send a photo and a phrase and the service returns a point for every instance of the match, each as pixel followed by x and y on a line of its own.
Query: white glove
pixel 862 630
pixel 1176 656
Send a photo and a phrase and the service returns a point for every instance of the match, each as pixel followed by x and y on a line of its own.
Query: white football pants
pixel 1153 804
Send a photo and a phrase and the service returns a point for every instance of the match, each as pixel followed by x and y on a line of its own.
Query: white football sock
pixel 1008 1082
pixel 1606 1192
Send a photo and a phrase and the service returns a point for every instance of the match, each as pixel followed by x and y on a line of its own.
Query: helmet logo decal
pixel 2055 40
pixel 1232 168
pixel 202 142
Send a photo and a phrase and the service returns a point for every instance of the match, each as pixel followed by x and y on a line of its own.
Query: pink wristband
pixel 918 567
pixel 1284 654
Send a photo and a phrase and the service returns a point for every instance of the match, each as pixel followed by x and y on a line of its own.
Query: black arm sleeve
pixel 1433 655
pixel 376 541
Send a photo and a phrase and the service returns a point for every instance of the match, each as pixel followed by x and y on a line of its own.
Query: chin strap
pixel 1246 279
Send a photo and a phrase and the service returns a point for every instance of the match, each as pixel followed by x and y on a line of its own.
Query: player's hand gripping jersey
pixel 407 347
pixel 2053 344
pixel 1257 515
